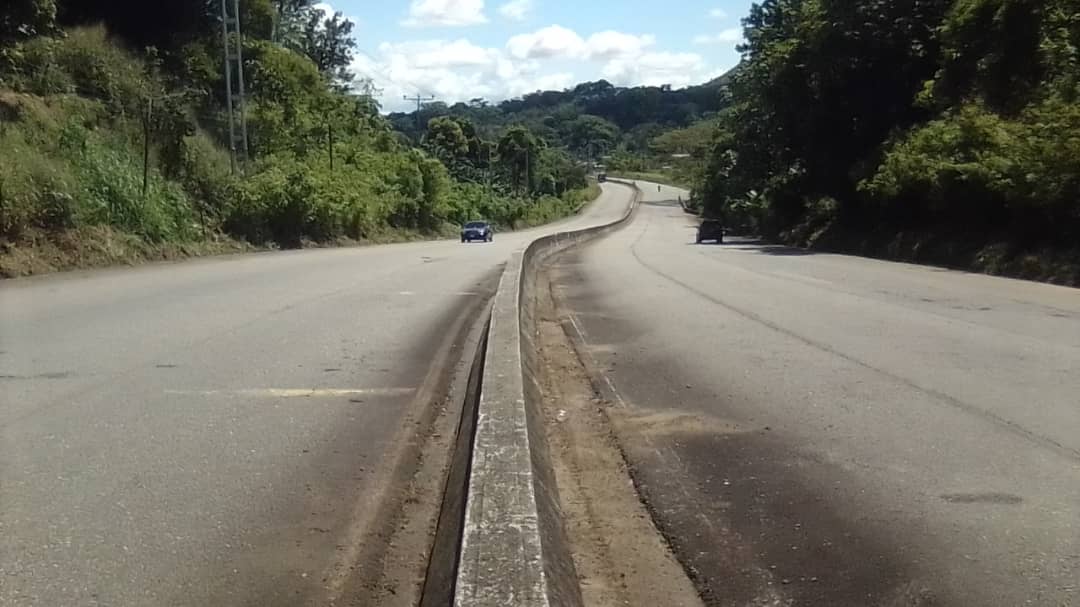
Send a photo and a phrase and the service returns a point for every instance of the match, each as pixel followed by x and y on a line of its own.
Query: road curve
pixel 814 429
pixel 211 432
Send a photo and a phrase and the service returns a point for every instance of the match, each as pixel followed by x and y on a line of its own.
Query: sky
pixel 457 50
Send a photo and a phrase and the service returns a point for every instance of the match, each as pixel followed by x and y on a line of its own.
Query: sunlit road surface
pixel 211 432
pixel 830 430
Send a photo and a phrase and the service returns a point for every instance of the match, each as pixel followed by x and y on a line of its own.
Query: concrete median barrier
pixel 513 548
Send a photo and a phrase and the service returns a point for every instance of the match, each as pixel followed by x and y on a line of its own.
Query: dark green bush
pixel 978 168
pixel 102 70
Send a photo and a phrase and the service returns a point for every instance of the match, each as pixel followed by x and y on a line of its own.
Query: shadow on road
pixel 757 245
pixel 774 249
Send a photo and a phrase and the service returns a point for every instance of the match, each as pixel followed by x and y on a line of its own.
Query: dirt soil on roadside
pixel 621 558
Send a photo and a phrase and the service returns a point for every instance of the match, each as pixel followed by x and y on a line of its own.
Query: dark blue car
pixel 477 230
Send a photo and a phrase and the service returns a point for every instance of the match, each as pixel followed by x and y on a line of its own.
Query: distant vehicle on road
pixel 710 229
pixel 477 230
pixel 601 178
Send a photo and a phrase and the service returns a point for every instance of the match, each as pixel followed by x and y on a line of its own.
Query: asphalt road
pixel 813 429
pixel 214 432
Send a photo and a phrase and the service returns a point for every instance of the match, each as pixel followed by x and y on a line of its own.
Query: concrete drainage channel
pixel 500 539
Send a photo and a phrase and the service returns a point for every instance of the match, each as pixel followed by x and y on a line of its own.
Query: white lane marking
pixel 607 380
pixel 298 392
pixel 412 293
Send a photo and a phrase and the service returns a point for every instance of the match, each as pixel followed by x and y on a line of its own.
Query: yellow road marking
pixel 299 392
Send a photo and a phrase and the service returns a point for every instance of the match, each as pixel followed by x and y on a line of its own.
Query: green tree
pixel 823 85
pixel 447 139
pixel 588 134
pixel 290 19
pixel 928 114
pixel 695 140
pixel 557 173
pixel 518 149
pixel 992 48
pixel 329 43
pixel 22 19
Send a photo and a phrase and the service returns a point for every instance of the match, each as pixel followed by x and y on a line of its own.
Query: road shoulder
pixel 620 557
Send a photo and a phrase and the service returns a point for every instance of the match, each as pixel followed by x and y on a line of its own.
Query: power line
pixel 419 99
pixel 234 64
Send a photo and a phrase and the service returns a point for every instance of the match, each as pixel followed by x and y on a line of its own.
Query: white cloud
pixel 556 41
pixel 718 13
pixel 656 69
pixel 729 36
pixel 445 13
pixel 453 71
pixel 516 10
pixel 548 82
pixel 552 41
pixel 611 45
pixel 459 53
pixel 457 69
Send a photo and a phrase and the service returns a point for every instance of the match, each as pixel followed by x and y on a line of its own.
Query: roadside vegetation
pixel 937 131
pixel 940 131
pixel 657 132
pixel 113 134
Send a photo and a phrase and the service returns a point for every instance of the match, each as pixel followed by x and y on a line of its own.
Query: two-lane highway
pixel 815 429
pixel 216 432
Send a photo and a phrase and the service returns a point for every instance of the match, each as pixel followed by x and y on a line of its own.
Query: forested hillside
pixel 113 134
pixel 935 130
pixel 591 120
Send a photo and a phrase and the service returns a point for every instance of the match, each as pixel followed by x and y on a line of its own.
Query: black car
pixel 710 229
pixel 477 230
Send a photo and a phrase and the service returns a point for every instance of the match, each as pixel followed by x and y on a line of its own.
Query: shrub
pixel 102 70
pixel 205 174
pixel 974 167
pixel 35 189
pixel 287 202
pixel 32 67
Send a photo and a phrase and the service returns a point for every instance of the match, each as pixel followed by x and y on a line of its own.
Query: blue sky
pixel 457 50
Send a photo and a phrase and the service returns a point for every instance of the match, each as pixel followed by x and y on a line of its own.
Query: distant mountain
pixel 640 113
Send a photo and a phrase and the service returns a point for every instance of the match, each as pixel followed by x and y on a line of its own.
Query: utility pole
pixel 146 146
pixel 419 100
pixel 330 143
pixel 487 175
pixel 234 68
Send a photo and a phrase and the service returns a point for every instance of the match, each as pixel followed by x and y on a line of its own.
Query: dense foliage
pixel 592 120
pixel 957 116
pixel 112 114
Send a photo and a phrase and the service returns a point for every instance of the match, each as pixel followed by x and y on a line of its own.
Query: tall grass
pixel 72 157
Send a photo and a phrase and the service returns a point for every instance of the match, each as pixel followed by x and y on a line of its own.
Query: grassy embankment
pixel 73 126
